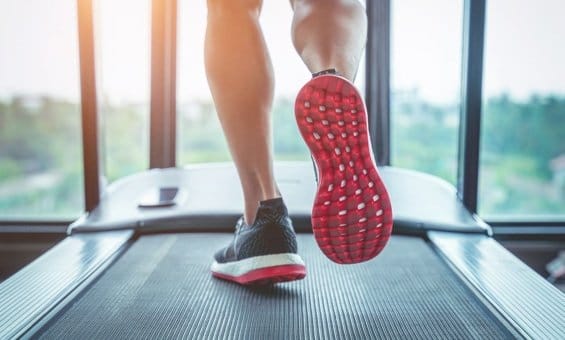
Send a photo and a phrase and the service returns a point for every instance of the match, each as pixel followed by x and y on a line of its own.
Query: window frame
pixel 471 102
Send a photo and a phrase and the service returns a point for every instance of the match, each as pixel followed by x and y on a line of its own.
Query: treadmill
pixel 126 271
pixel 130 269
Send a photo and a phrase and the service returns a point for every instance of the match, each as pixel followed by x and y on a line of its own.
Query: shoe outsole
pixel 351 214
pixel 267 276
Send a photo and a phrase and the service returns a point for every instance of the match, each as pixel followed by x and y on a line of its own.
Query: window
pixel 122 35
pixel 522 168
pixel 426 42
pixel 199 135
pixel 40 135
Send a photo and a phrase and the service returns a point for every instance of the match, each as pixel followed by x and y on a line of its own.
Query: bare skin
pixel 329 34
pixel 326 34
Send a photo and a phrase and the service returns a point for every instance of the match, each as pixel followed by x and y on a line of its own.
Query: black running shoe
pixel 263 253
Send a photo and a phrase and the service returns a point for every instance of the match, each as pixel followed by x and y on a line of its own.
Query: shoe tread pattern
pixel 351 214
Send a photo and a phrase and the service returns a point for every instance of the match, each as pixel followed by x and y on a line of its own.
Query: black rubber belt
pixel 161 288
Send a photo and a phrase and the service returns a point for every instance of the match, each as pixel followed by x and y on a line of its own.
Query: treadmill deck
pixel 162 288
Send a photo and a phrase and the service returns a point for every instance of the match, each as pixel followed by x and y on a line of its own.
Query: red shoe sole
pixel 352 215
pixel 269 275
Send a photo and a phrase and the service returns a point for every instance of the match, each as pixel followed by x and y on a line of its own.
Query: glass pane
pixel 290 75
pixel 40 131
pixel 122 33
pixel 523 134
pixel 200 137
pixel 426 43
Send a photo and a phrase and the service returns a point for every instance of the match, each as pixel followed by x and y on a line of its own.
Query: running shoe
pixel 264 252
pixel 351 214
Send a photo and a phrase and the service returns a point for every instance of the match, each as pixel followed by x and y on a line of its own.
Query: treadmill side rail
pixel 531 304
pixel 32 292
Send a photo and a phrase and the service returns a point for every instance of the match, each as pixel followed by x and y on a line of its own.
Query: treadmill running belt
pixel 162 288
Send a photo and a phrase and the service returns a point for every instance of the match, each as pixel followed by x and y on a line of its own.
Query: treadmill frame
pixel 516 294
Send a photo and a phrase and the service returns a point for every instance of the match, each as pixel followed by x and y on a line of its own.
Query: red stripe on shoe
pixel 351 215
pixel 268 275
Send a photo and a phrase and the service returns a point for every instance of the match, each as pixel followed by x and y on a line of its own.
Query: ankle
pixel 249 216
pixel 270 191
pixel 251 210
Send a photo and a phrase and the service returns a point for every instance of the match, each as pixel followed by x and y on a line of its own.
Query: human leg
pixel 329 34
pixel 241 80
pixel 351 215
pixel 240 76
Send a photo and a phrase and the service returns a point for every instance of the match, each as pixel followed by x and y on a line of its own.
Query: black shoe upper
pixel 271 233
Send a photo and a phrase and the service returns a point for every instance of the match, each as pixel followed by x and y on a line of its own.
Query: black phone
pixel 159 197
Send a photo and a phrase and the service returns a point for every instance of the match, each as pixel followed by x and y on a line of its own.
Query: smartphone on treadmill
pixel 159 198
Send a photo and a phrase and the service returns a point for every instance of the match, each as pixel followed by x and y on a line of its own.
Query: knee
pixel 227 7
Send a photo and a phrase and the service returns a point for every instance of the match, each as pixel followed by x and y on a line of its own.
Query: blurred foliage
pixel 199 135
pixel 519 140
pixel 424 136
pixel 125 142
pixel 534 129
pixel 40 158
pixel 41 154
